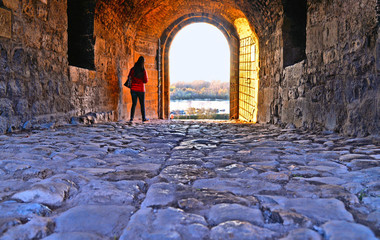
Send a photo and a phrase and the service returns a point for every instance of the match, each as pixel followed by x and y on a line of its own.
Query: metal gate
pixel 248 80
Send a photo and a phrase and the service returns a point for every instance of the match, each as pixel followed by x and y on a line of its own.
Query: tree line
pixel 200 89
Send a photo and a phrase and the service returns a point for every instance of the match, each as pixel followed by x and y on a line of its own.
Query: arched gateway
pixel 244 63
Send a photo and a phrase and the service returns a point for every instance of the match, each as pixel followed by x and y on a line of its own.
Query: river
pixel 222 105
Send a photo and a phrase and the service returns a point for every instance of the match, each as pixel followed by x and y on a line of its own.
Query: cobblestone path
pixel 188 180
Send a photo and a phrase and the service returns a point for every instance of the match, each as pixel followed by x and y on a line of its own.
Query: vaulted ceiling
pixel 152 17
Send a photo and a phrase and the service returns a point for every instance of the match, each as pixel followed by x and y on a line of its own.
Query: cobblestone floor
pixel 188 180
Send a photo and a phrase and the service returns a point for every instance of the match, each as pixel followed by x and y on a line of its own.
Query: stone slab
pixel 321 210
pixel 244 187
pixel 52 194
pixel 346 230
pixel 159 194
pixel 227 212
pixel 302 234
pixel 104 192
pixel 237 230
pixel 170 223
pixel 36 228
pixel 104 220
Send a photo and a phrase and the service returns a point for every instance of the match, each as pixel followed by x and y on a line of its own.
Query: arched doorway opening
pixel 244 67
pixel 199 73
pixel 166 39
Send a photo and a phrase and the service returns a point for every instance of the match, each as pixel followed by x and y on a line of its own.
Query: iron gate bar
pixel 247 106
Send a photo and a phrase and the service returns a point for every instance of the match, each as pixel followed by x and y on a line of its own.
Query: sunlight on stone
pixel 248 71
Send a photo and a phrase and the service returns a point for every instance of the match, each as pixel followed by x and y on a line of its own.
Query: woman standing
pixel 139 77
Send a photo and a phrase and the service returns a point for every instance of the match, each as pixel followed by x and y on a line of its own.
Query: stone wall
pixel 271 62
pixel 37 85
pixel 336 87
pixel 34 84
pixel 89 95
pixel 340 86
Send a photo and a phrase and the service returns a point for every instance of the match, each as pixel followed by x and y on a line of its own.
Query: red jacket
pixel 138 84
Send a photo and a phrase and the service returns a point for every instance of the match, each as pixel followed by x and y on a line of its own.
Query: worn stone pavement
pixel 188 180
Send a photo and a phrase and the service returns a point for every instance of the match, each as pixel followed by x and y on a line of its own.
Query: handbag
pixel 128 83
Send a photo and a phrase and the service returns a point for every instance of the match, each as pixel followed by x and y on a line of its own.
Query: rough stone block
pixel 314 113
pixel 170 223
pixel 12 4
pixel 104 220
pixel 5 23
pixel 3 124
pixel 314 39
pixel 6 108
pixel 378 54
pixel 33 36
pixel 3 62
pixel 37 227
pixel 347 230
pixel 146 47
pixel 100 45
pixel 3 89
pixel 267 100
pixel 283 93
pixel 293 93
pixel 28 9
pixel 150 61
pixel 330 56
pixel 287 111
pixel 300 112
pixel 42 12
pixel 330 34
pixel 101 63
pixel 317 94
pixel 240 230
pixel 228 212
pixel 159 194
pixel 52 194
pixel 301 234
pixel 331 120
pixel 22 107
pixel 74 74
pixel 293 74
pixel 357 44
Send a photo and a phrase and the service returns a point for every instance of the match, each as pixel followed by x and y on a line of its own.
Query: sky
pixel 199 51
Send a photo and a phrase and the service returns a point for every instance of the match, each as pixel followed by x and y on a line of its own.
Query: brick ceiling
pixel 151 17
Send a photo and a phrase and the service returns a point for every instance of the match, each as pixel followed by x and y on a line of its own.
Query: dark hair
pixel 139 66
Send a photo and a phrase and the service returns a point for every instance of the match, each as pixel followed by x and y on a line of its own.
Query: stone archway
pixel 244 72
pixel 166 39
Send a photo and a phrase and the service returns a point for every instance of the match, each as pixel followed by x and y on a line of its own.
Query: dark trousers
pixel 141 97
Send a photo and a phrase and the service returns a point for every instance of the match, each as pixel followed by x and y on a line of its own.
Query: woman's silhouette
pixel 139 77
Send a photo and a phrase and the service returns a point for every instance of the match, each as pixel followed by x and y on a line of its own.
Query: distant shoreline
pixel 221 105
pixel 201 90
